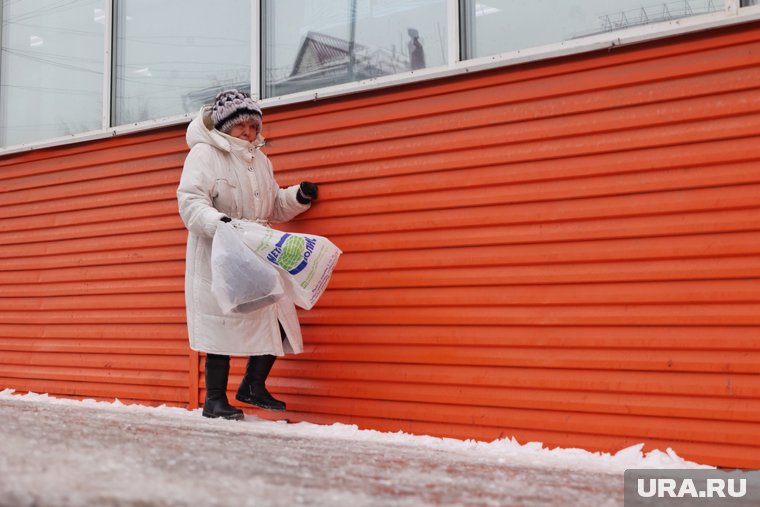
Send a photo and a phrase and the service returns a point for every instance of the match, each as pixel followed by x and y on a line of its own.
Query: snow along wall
pixel 566 251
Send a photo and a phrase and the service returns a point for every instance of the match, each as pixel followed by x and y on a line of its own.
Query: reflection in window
pixel 310 45
pixel 51 69
pixel 173 56
pixel 497 26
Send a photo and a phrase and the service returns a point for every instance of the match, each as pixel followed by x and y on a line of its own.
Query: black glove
pixel 307 192
pixel 226 219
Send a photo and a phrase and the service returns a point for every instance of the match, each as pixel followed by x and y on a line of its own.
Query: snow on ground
pixel 532 453
pixel 61 452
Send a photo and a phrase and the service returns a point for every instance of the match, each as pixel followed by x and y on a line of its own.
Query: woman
pixel 226 177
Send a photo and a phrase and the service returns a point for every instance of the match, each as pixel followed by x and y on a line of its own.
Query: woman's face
pixel 245 129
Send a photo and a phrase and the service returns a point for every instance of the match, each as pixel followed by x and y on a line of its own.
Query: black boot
pixel 252 389
pixel 216 404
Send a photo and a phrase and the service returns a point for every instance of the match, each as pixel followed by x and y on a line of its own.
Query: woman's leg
pixel 252 389
pixel 217 374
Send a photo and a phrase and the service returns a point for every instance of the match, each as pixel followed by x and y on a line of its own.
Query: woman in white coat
pixel 226 177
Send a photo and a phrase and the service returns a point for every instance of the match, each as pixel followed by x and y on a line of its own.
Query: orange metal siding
pixel 566 251
pixel 91 271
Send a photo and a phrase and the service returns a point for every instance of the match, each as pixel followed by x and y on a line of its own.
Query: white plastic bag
pixel 240 280
pixel 305 261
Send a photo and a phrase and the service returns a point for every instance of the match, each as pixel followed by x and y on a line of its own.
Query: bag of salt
pixel 240 280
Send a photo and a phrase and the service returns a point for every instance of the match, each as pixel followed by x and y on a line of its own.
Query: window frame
pixel 108 63
pixel 733 14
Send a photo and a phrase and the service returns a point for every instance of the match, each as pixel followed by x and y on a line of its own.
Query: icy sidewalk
pixel 56 452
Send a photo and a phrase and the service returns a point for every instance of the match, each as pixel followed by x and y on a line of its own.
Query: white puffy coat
pixel 224 175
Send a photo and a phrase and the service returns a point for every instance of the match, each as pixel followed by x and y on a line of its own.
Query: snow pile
pixel 506 450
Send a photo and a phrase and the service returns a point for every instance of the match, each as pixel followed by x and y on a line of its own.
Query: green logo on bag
pixel 292 252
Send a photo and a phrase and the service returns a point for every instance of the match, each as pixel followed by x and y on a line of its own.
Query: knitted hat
pixel 233 106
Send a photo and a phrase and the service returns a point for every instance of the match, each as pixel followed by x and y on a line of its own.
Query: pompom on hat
pixel 233 106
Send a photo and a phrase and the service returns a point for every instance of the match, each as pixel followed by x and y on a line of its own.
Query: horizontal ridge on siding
pixel 104 390
pixel 586 358
pixel 593 380
pixel 653 337
pixel 744 410
pixel 591 272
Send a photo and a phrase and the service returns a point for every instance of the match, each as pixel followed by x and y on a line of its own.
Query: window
pixel 51 69
pixel 497 26
pixel 311 44
pixel 173 56
pixel 156 61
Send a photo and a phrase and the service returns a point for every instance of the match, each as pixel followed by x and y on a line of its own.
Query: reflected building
pixel 324 60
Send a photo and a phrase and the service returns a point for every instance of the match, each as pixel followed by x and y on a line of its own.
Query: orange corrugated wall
pixel 91 272
pixel 566 251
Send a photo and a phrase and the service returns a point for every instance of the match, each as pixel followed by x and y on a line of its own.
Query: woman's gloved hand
pixel 307 192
